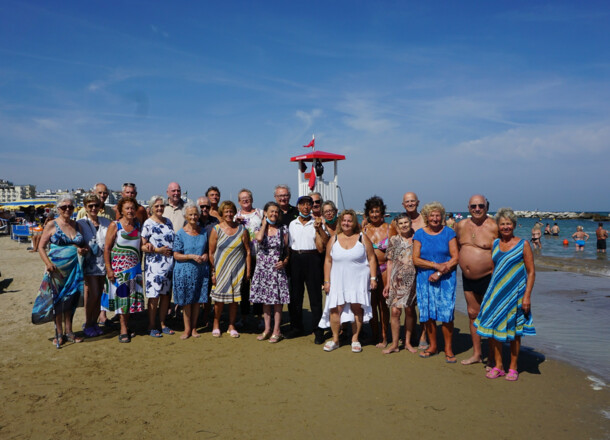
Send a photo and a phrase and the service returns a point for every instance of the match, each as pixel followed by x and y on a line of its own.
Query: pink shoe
pixel 494 373
pixel 512 375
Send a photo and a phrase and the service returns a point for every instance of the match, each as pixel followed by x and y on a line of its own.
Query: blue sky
pixel 448 99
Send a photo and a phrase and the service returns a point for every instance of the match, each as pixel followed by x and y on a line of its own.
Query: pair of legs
pixel 335 321
pixel 218 306
pixel 495 352
pixel 473 304
pixel 63 321
pixel 277 318
pixel 94 285
pixel 190 313
pixel 409 329
pixel 305 271
pixel 381 314
pixel 160 303
pixel 447 329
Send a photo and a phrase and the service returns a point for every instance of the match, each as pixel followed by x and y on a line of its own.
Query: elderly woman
pixel 329 213
pixel 349 277
pixel 378 231
pixel 230 259
pixel 506 307
pixel 93 228
pixel 435 255
pixel 123 266
pixel 63 279
pixel 270 282
pixel 191 270
pixel 580 237
pixel 158 242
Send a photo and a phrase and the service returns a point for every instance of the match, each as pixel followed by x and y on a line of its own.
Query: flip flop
pixel 167 331
pixel 124 338
pixel 263 336
pixel 427 354
pixel 450 359
pixel 274 339
pixel 494 373
pixel 423 346
pixel 233 333
pixel 513 375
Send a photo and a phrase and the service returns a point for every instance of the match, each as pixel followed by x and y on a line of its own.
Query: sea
pixel 570 310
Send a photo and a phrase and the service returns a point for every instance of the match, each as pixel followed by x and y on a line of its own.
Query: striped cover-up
pixel 501 316
pixel 230 265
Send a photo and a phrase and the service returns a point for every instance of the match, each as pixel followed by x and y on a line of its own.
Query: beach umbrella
pixel 36 203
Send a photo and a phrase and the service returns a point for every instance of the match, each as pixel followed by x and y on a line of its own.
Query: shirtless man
pixel 602 236
pixel 555 230
pixel 475 236
pixel 213 194
pixel 410 202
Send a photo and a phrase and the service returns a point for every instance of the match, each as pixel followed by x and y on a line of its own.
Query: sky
pixel 447 99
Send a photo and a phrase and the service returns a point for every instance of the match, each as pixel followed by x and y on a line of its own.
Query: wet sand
pixel 242 388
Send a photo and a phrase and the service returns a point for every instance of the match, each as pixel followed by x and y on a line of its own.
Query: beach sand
pixel 241 388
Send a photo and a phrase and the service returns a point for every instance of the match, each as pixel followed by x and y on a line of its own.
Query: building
pixel 10 192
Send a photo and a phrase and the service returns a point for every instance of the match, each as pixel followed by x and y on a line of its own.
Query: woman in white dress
pixel 93 228
pixel 350 271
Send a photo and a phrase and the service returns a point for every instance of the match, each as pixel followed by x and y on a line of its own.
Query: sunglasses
pixel 477 205
pixel 129 184
pixel 64 207
pixel 317 202
pixel 205 206
pixel 93 206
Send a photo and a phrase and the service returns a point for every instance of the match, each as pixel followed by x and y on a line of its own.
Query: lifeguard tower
pixel 329 188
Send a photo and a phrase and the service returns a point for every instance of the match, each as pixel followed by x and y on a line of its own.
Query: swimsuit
pixel 382 246
pixel 601 243
pixel 478 286
pixel 580 243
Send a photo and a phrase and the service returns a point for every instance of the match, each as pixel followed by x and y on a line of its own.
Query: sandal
pixel 124 338
pixel 71 337
pixel 155 333
pixel 494 373
pixel 356 347
pixel 330 346
pixel 216 333
pixel 62 341
pixel 427 354
pixel 233 333
pixel 275 338
pixel 90 332
pixel 263 337
pixel 512 375
pixel 167 331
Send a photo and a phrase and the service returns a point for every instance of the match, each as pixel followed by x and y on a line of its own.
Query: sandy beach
pixel 241 388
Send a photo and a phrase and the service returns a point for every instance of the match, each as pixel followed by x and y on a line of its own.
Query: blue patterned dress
pixel 435 300
pixel 501 316
pixel 159 268
pixel 190 278
pixel 62 289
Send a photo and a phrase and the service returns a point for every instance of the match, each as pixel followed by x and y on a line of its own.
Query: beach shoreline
pixel 242 388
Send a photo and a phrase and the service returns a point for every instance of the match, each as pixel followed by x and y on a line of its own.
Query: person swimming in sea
pixel 580 237
pixel 536 234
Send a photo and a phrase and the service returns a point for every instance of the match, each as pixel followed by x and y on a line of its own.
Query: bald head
pixel 478 206
pixel 410 202
pixel 204 204
pixel 174 194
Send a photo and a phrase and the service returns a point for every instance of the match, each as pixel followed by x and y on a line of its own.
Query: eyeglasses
pixel 245 200
pixel 64 207
pixel 93 206
pixel 317 202
pixel 477 205
pixel 205 206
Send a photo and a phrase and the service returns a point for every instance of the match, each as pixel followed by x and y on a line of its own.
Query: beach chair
pixel 21 232
pixel 4 226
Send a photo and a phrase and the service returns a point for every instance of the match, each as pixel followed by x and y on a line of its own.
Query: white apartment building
pixel 11 193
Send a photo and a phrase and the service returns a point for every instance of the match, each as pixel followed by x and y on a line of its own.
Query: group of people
pixel 264 259
pixel 580 237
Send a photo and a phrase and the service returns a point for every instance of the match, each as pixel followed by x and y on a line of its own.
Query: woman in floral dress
pixel 269 282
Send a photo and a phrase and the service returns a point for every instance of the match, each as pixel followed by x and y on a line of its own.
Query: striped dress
pixel 230 265
pixel 501 316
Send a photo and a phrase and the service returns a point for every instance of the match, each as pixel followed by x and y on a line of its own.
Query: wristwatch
pixel 439 274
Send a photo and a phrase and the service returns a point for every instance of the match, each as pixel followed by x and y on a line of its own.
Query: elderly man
pixel 307 241
pixel 316 208
pixel 206 221
pixel 101 191
pixel 173 209
pixel 213 194
pixel 287 212
pixel 475 236
pixel 130 190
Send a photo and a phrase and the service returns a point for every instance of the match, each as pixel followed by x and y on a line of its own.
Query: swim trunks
pixel 555 234
pixel 580 243
pixel 479 286
pixel 601 243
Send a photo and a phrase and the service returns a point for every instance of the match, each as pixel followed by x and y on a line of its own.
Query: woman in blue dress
pixel 506 307
pixel 63 279
pixel 435 255
pixel 191 269
pixel 158 242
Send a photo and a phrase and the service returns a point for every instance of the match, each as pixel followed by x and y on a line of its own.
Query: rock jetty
pixel 565 215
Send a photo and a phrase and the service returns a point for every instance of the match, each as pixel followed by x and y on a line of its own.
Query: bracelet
pixel 438 273
pixel 326 281
pixel 373 278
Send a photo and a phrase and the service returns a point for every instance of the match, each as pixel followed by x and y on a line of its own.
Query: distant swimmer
pixel 450 221
pixel 602 236
pixel 580 237
pixel 555 230
pixel 547 229
pixel 536 234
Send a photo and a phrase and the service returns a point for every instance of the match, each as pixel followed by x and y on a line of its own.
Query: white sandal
pixel 356 347
pixel 330 346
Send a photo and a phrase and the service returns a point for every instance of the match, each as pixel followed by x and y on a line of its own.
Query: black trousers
pixel 305 271
pixel 244 305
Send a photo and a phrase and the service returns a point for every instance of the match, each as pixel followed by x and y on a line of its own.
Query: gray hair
pixel 330 203
pixel 282 186
pixel 130 185
pixel 506 213
pixel 432 207
pixel 245 190
pixel 188 205
pixel 65 197
pixel 153 200
pixel 315 193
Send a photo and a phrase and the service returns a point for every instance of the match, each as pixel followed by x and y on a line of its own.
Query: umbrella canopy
pixel 13 206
